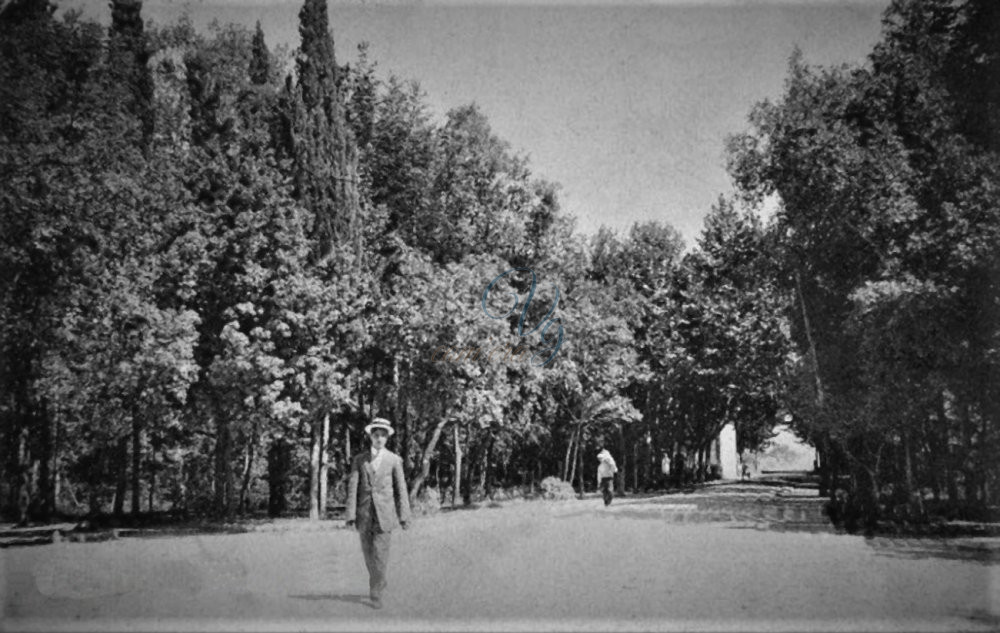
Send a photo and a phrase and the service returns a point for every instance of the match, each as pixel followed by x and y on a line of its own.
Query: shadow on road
pixel 341 597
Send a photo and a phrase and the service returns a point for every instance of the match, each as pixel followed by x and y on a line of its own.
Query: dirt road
pixel 531 566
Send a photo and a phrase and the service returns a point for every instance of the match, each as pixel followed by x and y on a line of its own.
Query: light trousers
pixel 375 546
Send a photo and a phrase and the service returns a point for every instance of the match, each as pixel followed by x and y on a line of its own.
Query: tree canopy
pixel 222 260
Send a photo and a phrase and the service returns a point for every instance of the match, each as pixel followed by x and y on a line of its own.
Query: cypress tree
pixel 129 56
pixel 325 175
pixel 260 62
pixel 18 11
pixel 320 143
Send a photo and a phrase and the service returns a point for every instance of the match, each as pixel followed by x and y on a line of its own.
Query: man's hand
pixel 349 523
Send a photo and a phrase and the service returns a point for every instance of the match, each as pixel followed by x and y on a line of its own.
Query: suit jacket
pixel 377 496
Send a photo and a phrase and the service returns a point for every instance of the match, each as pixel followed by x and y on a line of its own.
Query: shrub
pixel 500 494
pixel 554 488
pixel 428 501
pixel 518 492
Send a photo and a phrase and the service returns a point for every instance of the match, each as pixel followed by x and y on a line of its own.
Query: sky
pixel 625 105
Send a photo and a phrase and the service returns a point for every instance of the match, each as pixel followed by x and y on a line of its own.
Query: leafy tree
pixel 730 331
pixel 209 264
pixel 639 271
pixel 885 174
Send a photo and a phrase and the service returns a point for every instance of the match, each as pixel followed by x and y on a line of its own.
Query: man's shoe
pixel 376 603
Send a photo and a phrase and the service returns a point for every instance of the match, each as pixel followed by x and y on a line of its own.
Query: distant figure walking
pixel 606 470
pixel 377 502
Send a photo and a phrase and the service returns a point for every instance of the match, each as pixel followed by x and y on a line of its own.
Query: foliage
pixel 427 502
pixel 555 489
pixel 887 177
pixel 207 264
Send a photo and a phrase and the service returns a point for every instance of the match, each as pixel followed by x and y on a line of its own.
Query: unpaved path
pixel 530 566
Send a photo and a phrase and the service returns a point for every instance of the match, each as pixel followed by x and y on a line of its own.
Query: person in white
pixel 665 469
pixel 606 470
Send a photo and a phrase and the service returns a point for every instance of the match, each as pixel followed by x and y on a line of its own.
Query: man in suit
pixel 377 503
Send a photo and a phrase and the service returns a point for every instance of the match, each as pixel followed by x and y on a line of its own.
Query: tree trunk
pixel 223 465
pixel 93 501
pixel 347 444
pixel 404 443
pixel 324 466
pixel 371 393
pixel 967 469
pixel 984 466
pixel 152 491
pixel 244 480
pixel 181 478
pixel 470 465
pixel 699 460
pixel 248 468
pixel 277 474
pixel 579 462
pixel 403 434
pixel 315 440
pixel 34 486
pixel 914 498
pixel 121 477
pixel 820 395
pixel 576 451
pixel 569 453
pixel 483 469
pixel 488 483
pixel 621 450
pixel 635 468
pixel 57 490
pixel 425 461
pixel 46 467
pixel 871 511
pixel 825 487
pixel 136 464
pixel 457 479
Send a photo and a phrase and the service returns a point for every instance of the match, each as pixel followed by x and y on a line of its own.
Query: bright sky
pixel 625 105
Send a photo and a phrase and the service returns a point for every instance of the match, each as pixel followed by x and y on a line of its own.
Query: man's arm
pixel 400 491
pixel 352 494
